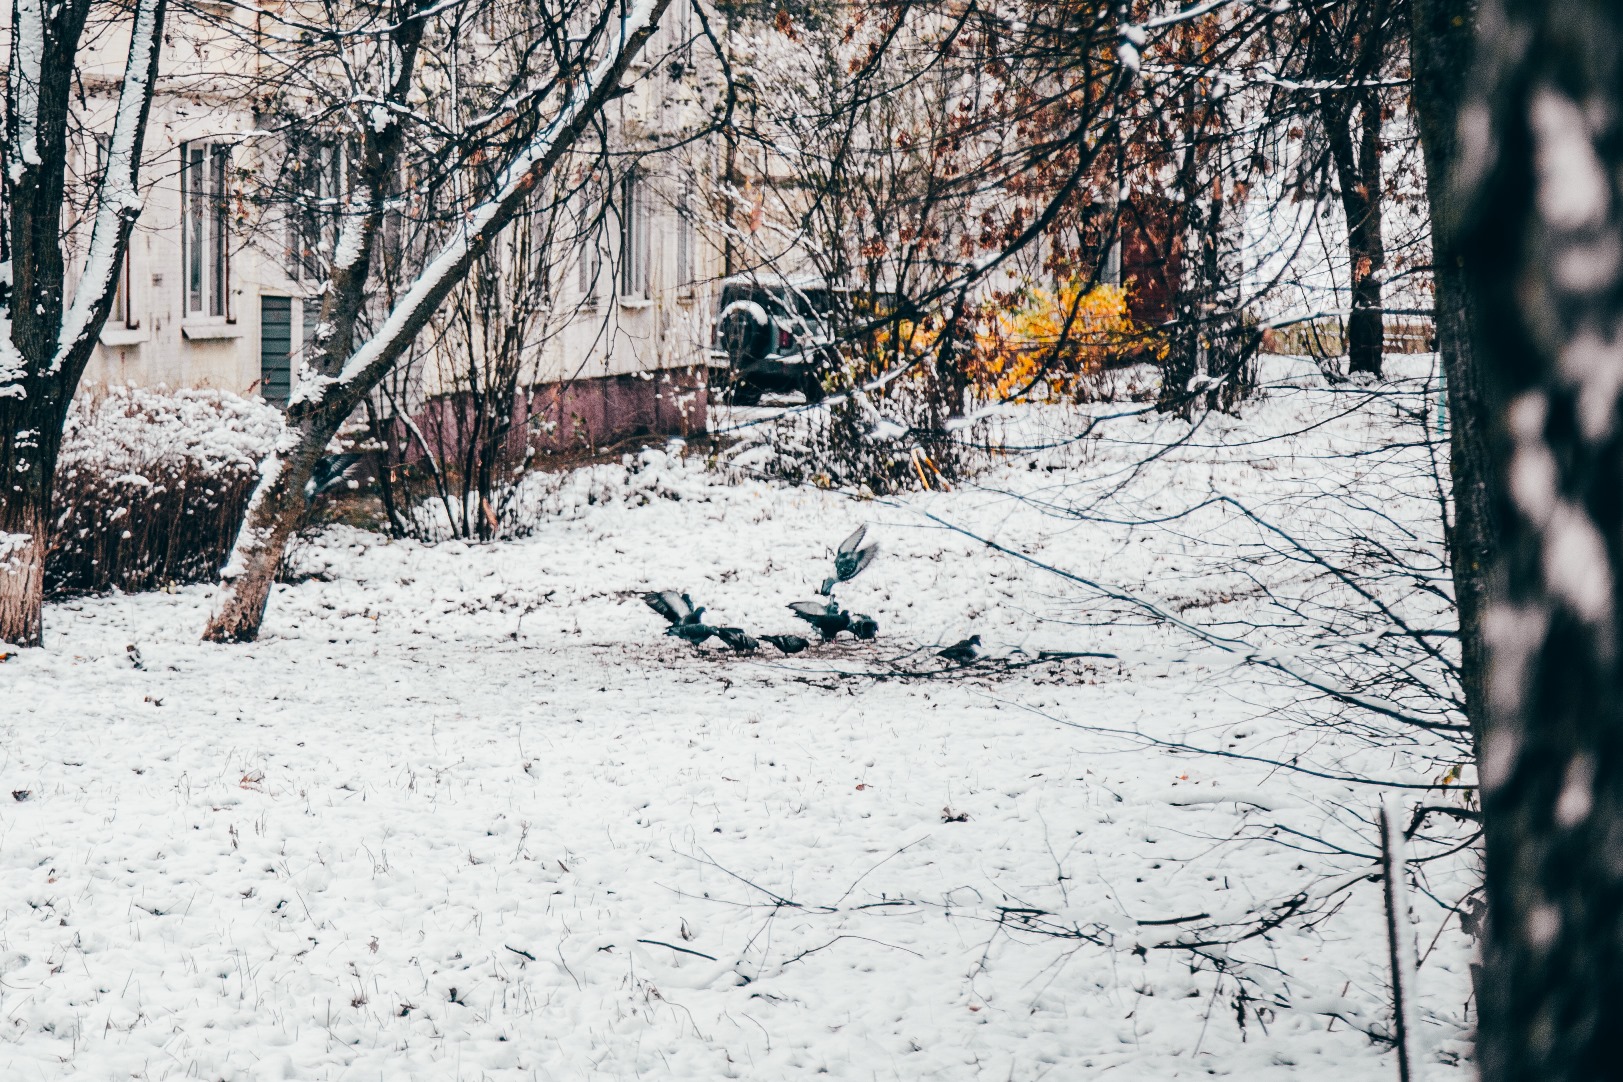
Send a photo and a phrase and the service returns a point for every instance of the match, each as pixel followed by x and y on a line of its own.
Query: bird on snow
pixel 829 619
pixel 789 644
pixel 850 559
pixel 864 626
pixel 691 633
pixel 962 652
pixel 737 639
pixel 330 471
pixel 677 609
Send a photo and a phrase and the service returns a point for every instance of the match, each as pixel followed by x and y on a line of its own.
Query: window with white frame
pixel 591 262
pixel 633 214
pixel 205 235
pixel 685 237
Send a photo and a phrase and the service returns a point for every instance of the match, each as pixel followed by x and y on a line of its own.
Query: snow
pixel 463 811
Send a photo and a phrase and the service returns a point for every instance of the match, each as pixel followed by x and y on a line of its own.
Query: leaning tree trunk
pixel 343 372
pixel 273 515
pixel 1542 237
pixel 1442 33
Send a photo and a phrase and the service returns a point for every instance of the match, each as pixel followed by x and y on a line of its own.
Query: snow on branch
pixel 475 230
pixel 118 200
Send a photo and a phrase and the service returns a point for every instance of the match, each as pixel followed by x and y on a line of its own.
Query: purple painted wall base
pixel 580 415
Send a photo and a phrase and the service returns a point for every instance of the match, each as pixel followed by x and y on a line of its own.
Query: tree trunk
pixel 1358 175
pixel 1540 231
pixel 271 519
pixel 1442 35
pixel 48 341
pixel 22 568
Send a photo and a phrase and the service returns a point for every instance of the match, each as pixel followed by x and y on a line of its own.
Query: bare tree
pixel 1540 230
pixel 514 123
pixel 46 340
pixel 1442 37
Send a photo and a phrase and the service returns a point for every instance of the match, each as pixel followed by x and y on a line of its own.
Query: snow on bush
pixel 635 481
pixel 151 486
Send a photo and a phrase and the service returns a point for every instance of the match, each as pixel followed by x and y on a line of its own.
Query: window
pixel 205 234
pixel 317 176
pixel 684 240
pixel 123 311
pixel 591 264
pixel 633 236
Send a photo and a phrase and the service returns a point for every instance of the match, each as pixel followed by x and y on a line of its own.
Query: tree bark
pixel 45 342
pixel 1442 37
pixel 1358 175
pixel 1541 233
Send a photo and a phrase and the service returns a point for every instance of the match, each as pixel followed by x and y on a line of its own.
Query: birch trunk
pixel 1541 187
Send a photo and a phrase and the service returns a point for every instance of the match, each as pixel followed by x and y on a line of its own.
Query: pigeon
pixel 677 608
pixel 829 620
pixel 850 559
pixel 737 639
pixel 962 653
pixel 691 633
pixel 329 473
pixel 789 644
pixel 864 626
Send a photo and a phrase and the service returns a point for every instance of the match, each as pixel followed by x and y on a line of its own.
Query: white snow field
pixel 464 813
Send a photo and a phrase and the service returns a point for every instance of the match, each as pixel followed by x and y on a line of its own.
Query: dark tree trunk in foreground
pixel 1442 36
pixel 1542 236
pixel 46 340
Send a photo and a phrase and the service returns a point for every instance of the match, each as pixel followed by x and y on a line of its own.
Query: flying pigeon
pixel 850 559
pixel 829 619
pixel 963 652
pixel 691 633
pixel 864 626
pixel 329 472
pixel 677 608
pixel 789 644
pixel 737 639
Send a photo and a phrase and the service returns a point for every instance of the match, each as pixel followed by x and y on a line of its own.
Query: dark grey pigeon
pixel 850 559
pixel 789 644
pixel 692 633
pixel 330 472
pixel 677 608
pixel 962 652
pixel 864 626
pixel 737 639
pixel 829 619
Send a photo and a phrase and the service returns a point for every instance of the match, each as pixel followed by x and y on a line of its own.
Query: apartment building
pixel 217 291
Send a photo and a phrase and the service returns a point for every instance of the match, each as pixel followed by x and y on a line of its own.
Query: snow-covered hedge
pixel 151 485
pixel 649 475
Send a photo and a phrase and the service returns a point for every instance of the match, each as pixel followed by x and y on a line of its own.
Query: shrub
pixel 151 486
pixel 1043 345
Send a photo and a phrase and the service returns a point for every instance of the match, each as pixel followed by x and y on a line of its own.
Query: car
pixel 773 336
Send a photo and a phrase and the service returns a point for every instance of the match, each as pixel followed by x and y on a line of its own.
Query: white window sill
pixel 208 331
pixel 114 334
pixel 636 302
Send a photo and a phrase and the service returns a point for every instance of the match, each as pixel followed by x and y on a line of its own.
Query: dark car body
pixel 774 337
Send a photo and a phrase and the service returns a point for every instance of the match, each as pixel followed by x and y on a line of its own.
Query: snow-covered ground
pixel 464 813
